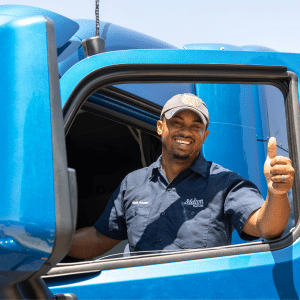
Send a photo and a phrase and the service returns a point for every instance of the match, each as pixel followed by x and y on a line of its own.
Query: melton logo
pixel 194 202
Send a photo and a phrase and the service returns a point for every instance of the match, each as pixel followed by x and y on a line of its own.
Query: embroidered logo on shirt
pixel 194 202
pixel 139 202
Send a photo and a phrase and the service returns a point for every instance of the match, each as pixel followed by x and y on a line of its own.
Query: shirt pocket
pixel 193 232
pixel 136 219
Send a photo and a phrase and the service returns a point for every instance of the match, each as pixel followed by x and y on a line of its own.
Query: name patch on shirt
pixel 194 202
pixel 139 202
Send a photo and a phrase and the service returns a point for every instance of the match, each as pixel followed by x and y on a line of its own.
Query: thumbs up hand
pixel 278 170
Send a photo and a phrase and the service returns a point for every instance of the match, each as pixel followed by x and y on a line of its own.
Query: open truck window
pixel 103 152
pixel 104 148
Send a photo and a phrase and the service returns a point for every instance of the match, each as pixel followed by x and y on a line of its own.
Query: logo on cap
pixel 190 100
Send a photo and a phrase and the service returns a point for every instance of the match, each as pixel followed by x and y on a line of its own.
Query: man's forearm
pixel 273 216
pixel 89 243
pixel 84 244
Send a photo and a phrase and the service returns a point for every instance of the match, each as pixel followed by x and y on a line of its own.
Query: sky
pixel 270 23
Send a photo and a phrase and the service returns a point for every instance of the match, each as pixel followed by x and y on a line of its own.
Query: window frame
pixel 277 76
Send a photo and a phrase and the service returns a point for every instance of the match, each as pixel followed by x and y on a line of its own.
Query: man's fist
pixel 278 170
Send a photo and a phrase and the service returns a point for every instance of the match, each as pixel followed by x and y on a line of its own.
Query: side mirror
pixel 36 218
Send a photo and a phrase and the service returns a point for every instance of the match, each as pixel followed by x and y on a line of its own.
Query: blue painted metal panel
pixel 119 38
pixel 69 54
pixel 232 128
pixel 64 27
pixel 267 275
pixel 262 130
pixel 275 110
pixel 116 38
pixel 232 139
pixel 27 215
pixel 72 77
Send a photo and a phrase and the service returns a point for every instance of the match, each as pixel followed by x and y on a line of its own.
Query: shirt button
pixel 192 213
pixel 159 240
pixel 169 190
pixel 163 213
pixel 135 213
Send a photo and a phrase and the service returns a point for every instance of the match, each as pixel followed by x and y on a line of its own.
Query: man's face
pixel 183 135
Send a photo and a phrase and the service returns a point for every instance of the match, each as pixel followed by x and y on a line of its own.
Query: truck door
pixel 238 271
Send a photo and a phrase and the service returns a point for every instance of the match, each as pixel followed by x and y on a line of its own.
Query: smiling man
pixel 182 201
pixel 183 129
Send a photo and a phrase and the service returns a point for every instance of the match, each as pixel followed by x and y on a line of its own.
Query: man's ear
pixel 205 135
pixel 159 126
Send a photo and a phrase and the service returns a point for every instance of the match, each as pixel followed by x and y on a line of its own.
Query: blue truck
pixel 73 125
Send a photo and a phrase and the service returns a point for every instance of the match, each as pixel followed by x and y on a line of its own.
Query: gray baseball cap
pixel 186 101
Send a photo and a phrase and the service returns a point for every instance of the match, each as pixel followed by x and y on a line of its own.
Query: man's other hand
pixel 88 243
pixel 278 170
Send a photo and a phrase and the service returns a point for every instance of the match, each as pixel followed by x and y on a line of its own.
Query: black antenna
pixel 94 45
pixel 97 17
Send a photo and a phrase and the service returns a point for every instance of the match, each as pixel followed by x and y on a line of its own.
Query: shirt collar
pixel 156 167
pixel 198 166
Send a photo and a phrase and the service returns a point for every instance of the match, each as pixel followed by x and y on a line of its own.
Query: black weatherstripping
pixel 278 76
pixel 170 73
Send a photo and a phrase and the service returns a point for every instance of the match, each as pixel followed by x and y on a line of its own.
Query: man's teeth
pixel 182 142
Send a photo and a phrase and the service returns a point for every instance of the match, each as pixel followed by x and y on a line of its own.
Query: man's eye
pixel 196 128
pixel 176 123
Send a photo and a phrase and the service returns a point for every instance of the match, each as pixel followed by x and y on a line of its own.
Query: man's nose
pixel 186 130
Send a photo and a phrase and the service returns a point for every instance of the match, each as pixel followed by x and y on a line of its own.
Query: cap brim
pixel 172 112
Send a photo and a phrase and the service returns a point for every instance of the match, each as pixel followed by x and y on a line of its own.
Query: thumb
pixel 272 148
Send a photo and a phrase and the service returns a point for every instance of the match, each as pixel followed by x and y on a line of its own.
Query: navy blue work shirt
pixel 199 208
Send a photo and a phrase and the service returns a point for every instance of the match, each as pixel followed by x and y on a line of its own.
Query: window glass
pixel 104 151
pixel 275 110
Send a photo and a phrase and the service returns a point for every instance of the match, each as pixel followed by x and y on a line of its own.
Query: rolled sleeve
pixel 242 199
pixel 112 222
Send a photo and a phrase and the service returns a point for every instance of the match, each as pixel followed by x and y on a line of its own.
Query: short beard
pixel 176 156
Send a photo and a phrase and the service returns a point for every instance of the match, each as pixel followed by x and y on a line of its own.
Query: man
pixel 182 201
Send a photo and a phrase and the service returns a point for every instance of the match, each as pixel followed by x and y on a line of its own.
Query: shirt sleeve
pixel 112 222
pixel 242 199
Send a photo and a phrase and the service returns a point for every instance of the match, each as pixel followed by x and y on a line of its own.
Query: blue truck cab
pixel 72 127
